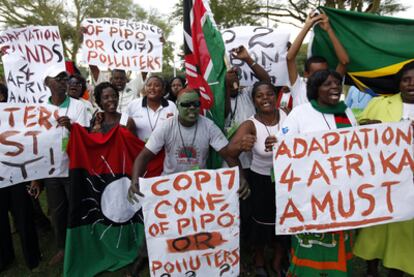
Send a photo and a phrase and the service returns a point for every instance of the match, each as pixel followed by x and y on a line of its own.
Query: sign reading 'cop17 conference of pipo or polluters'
pixel 27 52
pixel 30 143
pixel 192 223
pixel 267 47
pixel 122 44
pixel 344 179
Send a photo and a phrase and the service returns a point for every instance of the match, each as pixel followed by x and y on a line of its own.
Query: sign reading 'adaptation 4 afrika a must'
pixel 192 223
pixel 344 179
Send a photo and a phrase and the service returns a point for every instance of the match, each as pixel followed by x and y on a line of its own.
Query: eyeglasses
pixel 74 83
pixel 195 104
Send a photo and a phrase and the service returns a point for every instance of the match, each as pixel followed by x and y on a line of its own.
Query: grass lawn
pixel 18 268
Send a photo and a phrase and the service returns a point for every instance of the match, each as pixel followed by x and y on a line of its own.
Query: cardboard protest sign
pixel 192 223
pixel 26 53
pixel 267 47
pixel 344 179
pixel 111 43
pixel 30 143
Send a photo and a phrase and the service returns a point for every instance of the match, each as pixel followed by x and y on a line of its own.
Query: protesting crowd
pixel 145 176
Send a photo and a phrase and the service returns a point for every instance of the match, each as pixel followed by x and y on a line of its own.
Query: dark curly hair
pixel 317 79
pixel 97 93
pixel 314 59
pixel 159 78
pixel 260 83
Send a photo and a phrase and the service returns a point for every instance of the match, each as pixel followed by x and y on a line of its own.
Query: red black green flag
pixel 104 229
pixel 378 46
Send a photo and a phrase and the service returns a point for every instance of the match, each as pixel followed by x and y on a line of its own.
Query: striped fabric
pixel 342 121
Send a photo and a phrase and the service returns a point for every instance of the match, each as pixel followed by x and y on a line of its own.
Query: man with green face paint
pixel 186 138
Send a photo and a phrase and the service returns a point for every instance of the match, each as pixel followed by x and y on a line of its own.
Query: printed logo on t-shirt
pixel 187 155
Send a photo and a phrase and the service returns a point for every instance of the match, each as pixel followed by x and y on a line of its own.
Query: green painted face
pixel 188 105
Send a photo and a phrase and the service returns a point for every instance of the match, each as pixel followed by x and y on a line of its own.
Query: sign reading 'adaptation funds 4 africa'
pixel 26 53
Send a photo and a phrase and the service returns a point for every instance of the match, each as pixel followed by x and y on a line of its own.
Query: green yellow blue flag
pixel 378 46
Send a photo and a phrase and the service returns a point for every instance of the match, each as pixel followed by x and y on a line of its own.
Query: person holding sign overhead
pixel 314 63
pixel 392 243
pixel 326 254
pixel 238 102
pixel 257 134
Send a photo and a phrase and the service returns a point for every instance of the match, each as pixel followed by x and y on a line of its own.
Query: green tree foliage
pixel 227 13
pixel 230 13
pixel 295 12
pixel 68 15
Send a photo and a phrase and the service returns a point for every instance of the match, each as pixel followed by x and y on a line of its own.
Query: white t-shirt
pixel 188 150
pixel 88 105
pixel 305 119
pixel 124 119
pixel 77 113
pixel 146 119
pixel 298 91
pixel 408 111
pixel 242 107
pixel 262 161
pixel 131 91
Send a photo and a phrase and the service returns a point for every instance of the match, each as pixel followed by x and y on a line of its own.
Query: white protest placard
pixel 192 223
pixel 27 52
pixel 30 143
pixel 267 47
pixel 344 179
pixel 112 43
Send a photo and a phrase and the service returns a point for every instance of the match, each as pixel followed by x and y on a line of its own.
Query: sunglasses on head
pixel 61 78
pixel 195 104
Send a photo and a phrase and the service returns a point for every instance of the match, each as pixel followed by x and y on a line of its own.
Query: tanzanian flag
pixel 205 68
pixel 104 230
pixel 378 46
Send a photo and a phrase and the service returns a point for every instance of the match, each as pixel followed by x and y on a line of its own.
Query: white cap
pixel 54 71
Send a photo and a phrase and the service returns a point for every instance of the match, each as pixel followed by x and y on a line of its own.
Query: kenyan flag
pixel 204 62
pixel 204 57
pixel 104 229
pixel 378 46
